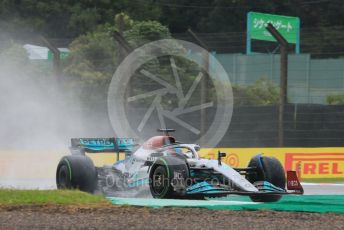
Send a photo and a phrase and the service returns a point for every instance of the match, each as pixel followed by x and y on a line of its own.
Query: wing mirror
pixel 128 153
pixel 219 157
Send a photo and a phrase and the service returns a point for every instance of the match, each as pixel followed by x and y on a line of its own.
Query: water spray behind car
pixel 38 117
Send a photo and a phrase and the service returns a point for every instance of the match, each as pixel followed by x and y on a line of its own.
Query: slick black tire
pixel 76 172
pixel 162 176
pixel 268 169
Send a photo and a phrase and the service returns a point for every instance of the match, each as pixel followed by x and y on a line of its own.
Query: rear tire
pixel 76 172
pixel 162 175
pixel 268 169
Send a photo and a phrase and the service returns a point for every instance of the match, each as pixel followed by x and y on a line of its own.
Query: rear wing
pixel 95 145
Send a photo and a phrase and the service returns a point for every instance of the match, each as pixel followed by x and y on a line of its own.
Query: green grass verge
pixel 40 197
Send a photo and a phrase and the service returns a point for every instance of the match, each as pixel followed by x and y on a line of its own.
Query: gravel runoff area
pixel 128 217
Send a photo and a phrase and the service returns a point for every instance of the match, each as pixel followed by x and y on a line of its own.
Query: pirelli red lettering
pixel 316 164
pixel 321 168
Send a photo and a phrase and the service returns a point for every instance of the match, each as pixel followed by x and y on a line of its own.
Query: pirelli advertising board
pixel 310 163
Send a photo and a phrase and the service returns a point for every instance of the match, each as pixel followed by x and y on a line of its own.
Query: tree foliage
pixel 94 56
pixel 262 92
pixel 63 19
pixel 15 63
pixel 145 31
pixel 69 19
pixel 91 63
pixel 337 99
pixel 14 55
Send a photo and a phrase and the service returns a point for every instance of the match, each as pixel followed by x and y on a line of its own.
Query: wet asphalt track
pixel 323 189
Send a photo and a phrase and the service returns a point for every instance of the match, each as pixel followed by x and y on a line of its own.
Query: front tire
pixel 268 169
pixel 164 175
pixel 76 172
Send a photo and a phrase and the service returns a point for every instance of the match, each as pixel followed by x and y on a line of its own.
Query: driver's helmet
pixel 179 150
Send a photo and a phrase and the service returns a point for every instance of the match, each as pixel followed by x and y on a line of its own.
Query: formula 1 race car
pixel 169 169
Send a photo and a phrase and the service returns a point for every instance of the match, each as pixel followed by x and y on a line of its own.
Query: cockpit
pixel 187 150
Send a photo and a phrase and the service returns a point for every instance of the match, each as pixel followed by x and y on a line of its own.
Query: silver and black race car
pixel 169 169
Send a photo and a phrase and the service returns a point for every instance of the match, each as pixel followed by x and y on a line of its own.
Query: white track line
pixel 322 184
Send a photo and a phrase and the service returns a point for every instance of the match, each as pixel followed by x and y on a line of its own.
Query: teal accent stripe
pixel 69 168
pixel 168 176
pixel 168 169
